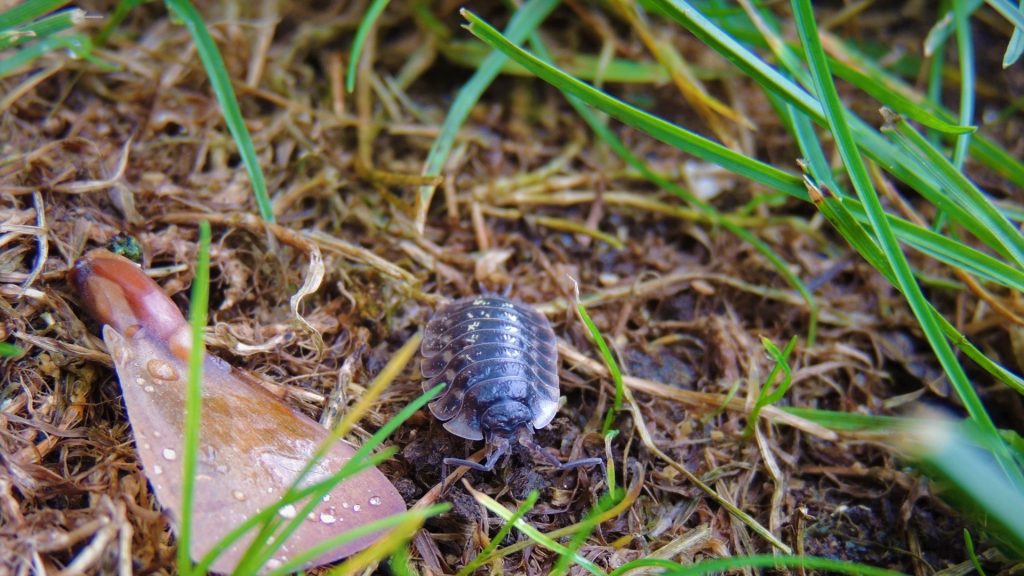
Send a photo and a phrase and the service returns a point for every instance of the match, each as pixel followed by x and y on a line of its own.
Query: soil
pixel 141 149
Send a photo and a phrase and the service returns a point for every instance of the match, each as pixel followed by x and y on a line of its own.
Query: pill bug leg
pixel 529 442
pixel 499 447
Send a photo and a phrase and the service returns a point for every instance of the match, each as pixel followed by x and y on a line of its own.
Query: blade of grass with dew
pixel 394 366
pixel 365 25
pixel 770 393
pixel 412 520
pixel 959 187
pixel 665 131
pixel 531 532
pixel 363 458
pixel 77 44
pixel 225 93
pixel 314 491
pixel 198 306
pixel 28 11
pixel 523 22
pixel 617 146
pixel 808 31
pixel 484 555
pixel 606 355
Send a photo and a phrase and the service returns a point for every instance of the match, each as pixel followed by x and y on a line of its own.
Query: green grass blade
pixel 971 479
pixel 77 44
pixel 965 52
pixel 198 306
pixel 417 515
pixel 808 31
pixel 828 565
pixel 771 392
pixel 989 153
pixel 1008 11
pixel 28 11
pixel 534 534
pixel 1008 238
pixel 606 355
pixel 485 554
pixel 525 20
pixel 41 28
pixel 847 421
pixel 615 143
pixel 939 33
pixel 471 54
pixel 8 350
pixel 664 131
pixel 221 83
pixel 365 25
pixel 846 215
pixel 882 91
pixel 1016 46
pixel 114 20
pixel 587 527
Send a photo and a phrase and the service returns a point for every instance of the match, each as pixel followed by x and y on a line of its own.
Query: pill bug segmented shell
pixel 498 361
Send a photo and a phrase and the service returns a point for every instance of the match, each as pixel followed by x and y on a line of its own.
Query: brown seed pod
pixel 252 445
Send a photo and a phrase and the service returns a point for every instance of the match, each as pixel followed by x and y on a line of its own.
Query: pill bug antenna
pixel 503 291
pixel 526 439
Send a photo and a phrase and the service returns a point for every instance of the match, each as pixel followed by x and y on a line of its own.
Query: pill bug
pixel 498 361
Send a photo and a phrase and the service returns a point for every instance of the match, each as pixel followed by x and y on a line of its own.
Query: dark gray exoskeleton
pixel 498 360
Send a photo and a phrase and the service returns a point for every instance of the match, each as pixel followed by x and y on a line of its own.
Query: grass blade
pixel 525 20
pixel 484 555
pixel 1016 46
pixel 926 317
pixel 198 305
pixel 28 11
pixel 1007 237
pixel 665 131
pixel 365 25
pixel 221 83
pixel 965 52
